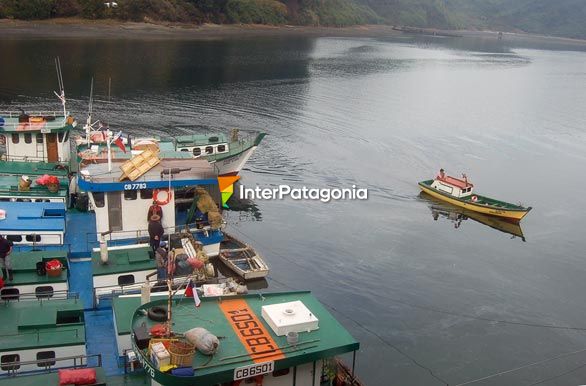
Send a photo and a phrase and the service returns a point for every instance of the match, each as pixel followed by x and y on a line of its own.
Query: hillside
pixel 559 17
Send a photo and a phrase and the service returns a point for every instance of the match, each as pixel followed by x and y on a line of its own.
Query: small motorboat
pixel 460 192
pixel 242 259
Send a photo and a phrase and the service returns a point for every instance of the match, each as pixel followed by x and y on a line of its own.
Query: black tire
pixel 157 314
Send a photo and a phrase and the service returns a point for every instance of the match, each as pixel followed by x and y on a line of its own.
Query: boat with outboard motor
pixel 459 192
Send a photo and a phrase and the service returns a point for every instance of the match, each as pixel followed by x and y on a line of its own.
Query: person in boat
pixel 156 231
pixel 155 208
pixel 161 260
pixel 5 260
pixel 442 175
pixel 73 191
pixel 200 254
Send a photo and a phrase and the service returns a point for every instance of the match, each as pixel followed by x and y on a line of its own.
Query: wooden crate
pixel 139 165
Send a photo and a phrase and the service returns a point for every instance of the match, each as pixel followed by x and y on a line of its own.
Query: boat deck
pixel 19 168
pixel 48 323
pixel 124 260
pixel 53 379
pixel 24 265
pixel 224 317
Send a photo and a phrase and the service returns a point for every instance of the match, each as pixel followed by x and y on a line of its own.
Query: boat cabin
pixel 453 186
pixel 40 137
pixel 35 334
pixel 33 223
pixel 121 206
pixel 202 145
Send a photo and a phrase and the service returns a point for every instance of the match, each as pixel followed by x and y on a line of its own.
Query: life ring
pixel 159 201
pixel 158 314
pixel 474 199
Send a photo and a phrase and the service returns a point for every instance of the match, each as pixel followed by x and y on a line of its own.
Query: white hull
pixel 233 165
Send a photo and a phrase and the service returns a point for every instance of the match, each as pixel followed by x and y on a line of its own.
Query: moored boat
pixel 273 339
pixel 242 258
pixel 459 192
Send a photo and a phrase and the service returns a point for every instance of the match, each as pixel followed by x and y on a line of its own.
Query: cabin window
pixel 99 199
pixel 9 293
pixel 196 151
pixel 40 138
pixel 28 138
pixel 221 148
pixel 15 138
pixel 146 194
pixel 5 359
pixel 184 149
pixel 42 355
pixel 14 238
pixel 130 194
pixel 33 238
pixel 125 280
pixel 44 292
pixel 209 150
pixel 280 373
pixel 213 139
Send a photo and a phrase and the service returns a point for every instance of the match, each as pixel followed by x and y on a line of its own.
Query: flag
pixel 190 291
pixel 118 141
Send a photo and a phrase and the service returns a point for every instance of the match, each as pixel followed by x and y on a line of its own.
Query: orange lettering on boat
pixel 250 330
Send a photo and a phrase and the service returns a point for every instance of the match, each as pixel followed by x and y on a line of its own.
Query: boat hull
pixel 232 165
pixel 509 214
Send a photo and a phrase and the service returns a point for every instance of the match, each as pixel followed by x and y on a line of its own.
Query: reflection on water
pixel 457 215
pixel 383 114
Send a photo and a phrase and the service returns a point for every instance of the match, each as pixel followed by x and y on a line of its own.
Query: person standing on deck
pixel 155 231
pixel 442 175
pixel 155 208
pixel 5 260
pixel 161 260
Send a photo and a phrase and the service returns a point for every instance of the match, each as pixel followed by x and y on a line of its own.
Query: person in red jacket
pixel 155 209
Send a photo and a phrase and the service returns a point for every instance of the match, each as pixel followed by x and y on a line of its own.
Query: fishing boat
pixel 242 259
pixel 228 155
pixel 459 192
pixel 271 339
pixel 457 215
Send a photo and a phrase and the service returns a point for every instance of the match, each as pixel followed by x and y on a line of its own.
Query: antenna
pixel 88 123
pixel 61 94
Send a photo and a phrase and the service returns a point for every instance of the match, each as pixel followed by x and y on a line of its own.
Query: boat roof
pixel 37 122
pixel 198 172
pixel 35 324
pixel 33 216
pixel 201 139
pixel 456 182
pixel 32 168
pixel 125 259
pixel 24 265
pixel 9 187
pixel 166 150
pixel 330 339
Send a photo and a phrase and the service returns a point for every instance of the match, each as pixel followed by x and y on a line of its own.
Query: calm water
pixel 382 114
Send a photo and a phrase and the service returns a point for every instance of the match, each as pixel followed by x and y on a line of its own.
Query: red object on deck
pixel 77 377
pixel 456 182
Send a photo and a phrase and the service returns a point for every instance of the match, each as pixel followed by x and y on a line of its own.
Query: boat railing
pixel 114 177
pixel 142 235
pixel 25 158
pixel 33 247
pixel 16 114
pixel 7 294
pixel 50 365
pixel 112 291
pixel 38 334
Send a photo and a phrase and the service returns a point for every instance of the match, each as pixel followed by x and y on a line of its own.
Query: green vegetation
pixel 559 17
pixel 256 11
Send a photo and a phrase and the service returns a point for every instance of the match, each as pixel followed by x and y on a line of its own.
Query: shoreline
pixel 76 28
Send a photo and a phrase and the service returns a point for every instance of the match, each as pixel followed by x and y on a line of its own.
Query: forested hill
pixel 551 17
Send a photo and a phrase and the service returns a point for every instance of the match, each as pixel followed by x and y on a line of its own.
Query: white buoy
pixel 145 293
pixel 103 250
